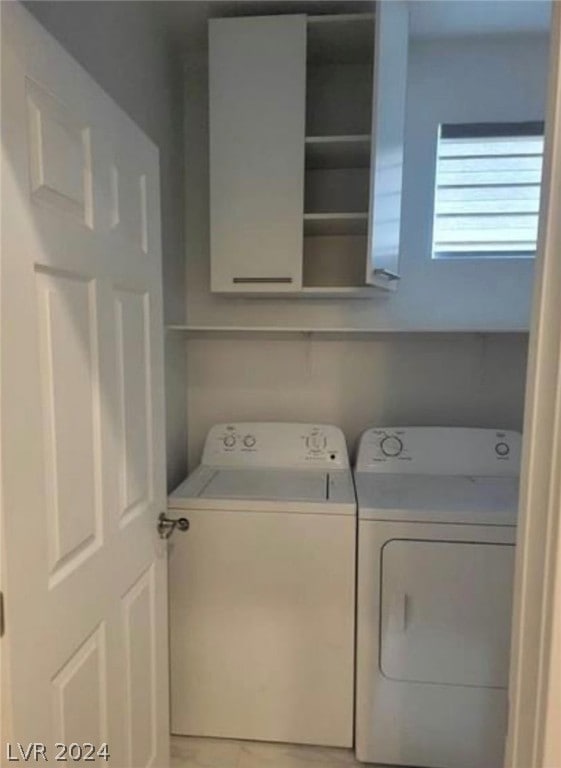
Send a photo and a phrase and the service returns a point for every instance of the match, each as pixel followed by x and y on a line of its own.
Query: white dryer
pixel 262 588
pixel 437 522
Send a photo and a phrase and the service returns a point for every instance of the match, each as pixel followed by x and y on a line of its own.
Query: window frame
pixel 483 130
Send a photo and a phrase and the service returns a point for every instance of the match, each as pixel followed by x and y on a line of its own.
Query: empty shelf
pixel 335 224
pixel 340 39
pixel 338 151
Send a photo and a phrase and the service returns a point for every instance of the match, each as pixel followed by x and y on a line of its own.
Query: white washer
pixel 262 587
pixel 437 516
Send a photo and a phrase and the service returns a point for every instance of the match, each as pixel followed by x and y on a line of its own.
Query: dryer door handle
pixel 401 611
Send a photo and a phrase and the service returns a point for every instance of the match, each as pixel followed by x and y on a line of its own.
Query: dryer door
pixel 445 612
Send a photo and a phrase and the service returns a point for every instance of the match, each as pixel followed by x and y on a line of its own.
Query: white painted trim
pixel 534 738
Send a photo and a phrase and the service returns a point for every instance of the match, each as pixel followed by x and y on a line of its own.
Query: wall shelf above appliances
pixel 276 332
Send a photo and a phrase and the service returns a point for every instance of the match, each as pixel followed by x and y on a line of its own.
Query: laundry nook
pixel 280 364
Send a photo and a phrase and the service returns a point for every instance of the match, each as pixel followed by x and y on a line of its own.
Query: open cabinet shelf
pixel 334 262
pixel 335 152
pixel 340 52
pixel 344 38
pixel 318 224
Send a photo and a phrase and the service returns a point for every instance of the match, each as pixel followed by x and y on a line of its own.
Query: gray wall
pixel 460 379
pixel 125 47
pixel 398 379
pixel 493 78
pixel 422 378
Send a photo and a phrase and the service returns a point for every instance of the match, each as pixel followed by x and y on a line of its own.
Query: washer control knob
pixel 502 449
pixel 249 441
pixel 391 446
pixel 229 441
pixel 317 442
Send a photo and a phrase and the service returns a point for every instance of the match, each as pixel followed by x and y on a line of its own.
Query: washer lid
pixel 267 490
pixel 270 484
pixel 437 498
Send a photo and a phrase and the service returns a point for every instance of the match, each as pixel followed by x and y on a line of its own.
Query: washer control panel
pixel 439 451
pixel 276 444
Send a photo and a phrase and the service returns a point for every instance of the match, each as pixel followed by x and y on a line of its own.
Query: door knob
pixel 167 525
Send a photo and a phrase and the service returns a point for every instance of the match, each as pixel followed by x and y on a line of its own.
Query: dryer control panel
pixel 439 451
pixel 276 444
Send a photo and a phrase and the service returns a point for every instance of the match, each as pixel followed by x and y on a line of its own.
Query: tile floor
pixel 187 752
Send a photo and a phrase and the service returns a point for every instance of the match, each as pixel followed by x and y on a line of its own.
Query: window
pixel 487 190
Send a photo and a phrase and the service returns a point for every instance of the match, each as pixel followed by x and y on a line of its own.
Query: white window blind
pixel 487 194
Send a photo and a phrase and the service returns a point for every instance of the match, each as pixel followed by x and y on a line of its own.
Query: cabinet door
pixel 257 83
pixel 388 124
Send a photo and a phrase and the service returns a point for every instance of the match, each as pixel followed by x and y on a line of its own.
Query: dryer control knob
pixel 502 449
pixel 249 441
pixel 391 446
pixel 229 441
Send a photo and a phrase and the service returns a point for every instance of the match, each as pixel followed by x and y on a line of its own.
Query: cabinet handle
pixel 262 280
pixel 380 272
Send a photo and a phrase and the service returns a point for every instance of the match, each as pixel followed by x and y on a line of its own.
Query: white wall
pixel 495 78
pixel 438 379
pixel 125 47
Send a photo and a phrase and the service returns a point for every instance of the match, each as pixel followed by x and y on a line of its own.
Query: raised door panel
pixel 71 409
pixel 80 694
pixel 59 155
pixel 139 617
pixel 388 126
pixel 128 206
pixel 257 82
pixel 132 327
pixel 445 612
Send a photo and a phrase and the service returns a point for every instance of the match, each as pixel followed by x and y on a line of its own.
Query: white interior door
pixel 82 410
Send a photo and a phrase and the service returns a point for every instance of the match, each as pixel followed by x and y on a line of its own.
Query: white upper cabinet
pixel 306 145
